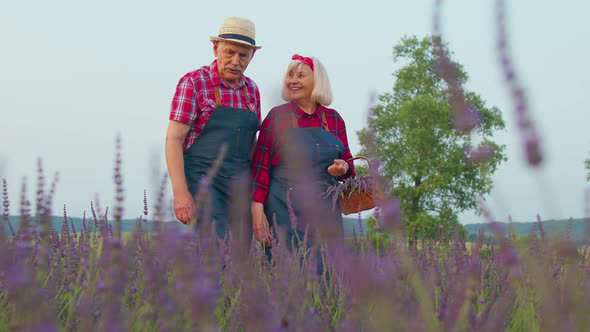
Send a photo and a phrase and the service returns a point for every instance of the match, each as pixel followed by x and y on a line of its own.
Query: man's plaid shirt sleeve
pixel 184 103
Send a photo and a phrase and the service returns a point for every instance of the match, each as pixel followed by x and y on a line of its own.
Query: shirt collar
pixel 216 79
pixel 299 112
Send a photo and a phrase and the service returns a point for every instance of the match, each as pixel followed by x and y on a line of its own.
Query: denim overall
pixel 236 127
pixel 318 147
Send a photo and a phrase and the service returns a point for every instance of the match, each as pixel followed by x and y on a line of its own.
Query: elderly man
pixel 212 106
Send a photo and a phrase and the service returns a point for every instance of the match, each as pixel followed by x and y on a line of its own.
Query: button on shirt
pixel 194 99
pixel 267 152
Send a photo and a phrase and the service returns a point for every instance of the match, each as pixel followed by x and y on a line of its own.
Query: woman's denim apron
pixel 314 149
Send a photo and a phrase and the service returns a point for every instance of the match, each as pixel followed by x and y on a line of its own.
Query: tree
pixel 587 162
pixel 435 169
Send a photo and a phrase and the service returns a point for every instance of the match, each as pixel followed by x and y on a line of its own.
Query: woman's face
pixel 300 83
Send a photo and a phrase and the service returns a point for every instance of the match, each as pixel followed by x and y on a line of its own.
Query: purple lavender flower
pixel 390 212
pixel 292 216
pixel 531 141
pixel 481 153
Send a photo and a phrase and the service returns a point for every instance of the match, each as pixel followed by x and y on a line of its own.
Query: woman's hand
pixel 338 168
pixel 184 207
pixel 260 224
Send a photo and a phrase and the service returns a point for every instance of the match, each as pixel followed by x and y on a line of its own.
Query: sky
pixel 75 74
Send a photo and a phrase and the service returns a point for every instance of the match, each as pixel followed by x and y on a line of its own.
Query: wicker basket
pixel 353 200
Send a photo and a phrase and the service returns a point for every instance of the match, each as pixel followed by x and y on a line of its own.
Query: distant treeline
pixel 127 225
pixel 76 224
pixel 577 227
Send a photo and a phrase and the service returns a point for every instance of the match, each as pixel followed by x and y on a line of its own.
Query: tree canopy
pixel 436 169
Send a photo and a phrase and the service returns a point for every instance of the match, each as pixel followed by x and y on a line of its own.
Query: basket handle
pixel 376 189
pixel 361 157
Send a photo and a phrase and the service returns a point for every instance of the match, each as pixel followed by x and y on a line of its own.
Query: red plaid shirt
pixel 267 151
pixel 194 99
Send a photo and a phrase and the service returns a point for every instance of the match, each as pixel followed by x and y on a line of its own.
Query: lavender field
pixel 176 279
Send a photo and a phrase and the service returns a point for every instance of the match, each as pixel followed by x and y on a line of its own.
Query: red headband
pixel 304 59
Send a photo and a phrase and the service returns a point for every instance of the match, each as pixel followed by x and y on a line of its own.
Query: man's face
pixel 232 60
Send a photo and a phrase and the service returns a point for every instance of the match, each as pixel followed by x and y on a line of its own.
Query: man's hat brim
pixel 236 41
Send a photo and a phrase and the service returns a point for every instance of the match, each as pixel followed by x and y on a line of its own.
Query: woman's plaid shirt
pixel 267 151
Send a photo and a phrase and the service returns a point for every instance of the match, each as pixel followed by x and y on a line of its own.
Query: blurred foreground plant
pixel 181 279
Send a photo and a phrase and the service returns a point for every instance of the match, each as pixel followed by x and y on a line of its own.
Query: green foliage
pixel 361 170
pixel 379 238
pixel 524 317
pixel 521 241
pixel 422 153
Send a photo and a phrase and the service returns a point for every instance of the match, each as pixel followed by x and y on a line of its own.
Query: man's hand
pixel 260 224
pixel 338 168
pixel 184 206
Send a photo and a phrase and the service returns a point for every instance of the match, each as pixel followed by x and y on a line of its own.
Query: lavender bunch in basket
pixel 349 189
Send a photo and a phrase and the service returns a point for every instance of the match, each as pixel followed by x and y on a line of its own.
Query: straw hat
pixel 237 30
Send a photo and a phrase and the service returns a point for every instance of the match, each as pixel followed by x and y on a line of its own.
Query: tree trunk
pixel 414 211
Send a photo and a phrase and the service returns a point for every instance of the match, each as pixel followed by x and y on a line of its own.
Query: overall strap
pixel 218 97
pixel 325 122
pixel 247 98
pixel 294 122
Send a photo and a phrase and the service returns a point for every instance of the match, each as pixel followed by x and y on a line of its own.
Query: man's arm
pixel 183 200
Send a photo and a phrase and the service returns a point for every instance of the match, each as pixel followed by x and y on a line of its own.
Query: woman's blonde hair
pixel 321 93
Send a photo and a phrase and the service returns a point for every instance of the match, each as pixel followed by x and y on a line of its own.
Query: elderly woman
pixel 300 142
